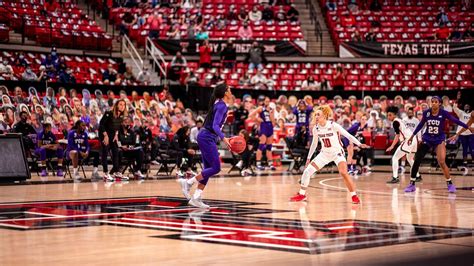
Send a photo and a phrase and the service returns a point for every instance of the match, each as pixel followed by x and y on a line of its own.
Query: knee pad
pixel 269 147
pixel 262 147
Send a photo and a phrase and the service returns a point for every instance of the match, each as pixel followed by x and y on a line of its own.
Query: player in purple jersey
pixel 48 147
pixel 207 139
pixel 433 137
pixel 265 116
pixel 303 114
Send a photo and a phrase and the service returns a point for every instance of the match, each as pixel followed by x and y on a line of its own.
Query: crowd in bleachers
pixel 55 67
pixel 208 19
pixel 160 121
pixel 255 72
pixel 399 20
pixel 50 22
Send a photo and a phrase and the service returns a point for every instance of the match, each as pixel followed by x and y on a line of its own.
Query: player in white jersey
pixel 410 122
pixel 329 133
pixel 467 137
pixel 402 132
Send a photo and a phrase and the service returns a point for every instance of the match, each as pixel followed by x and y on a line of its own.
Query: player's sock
pixel 259 163
pixel 191 181
pixel 403 163
pixel 197 193
pixel 412 181
pixel 449 181
pixel 353 193
pixel 270 163
pixel 74 171
pixel 302 191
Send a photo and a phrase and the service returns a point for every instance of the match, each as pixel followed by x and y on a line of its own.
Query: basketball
pixel 237 144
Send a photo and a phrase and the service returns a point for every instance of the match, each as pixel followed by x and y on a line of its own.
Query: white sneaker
pixel 154 162
pixel 120 176
pixel 239 164
pixel 139 175
pixel 198 203
pixel 77 176
pixel 108 178
pixel 466 171
pixel 185 187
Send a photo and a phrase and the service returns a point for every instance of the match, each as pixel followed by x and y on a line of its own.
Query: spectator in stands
pixel 353 6
pixel 469 33
pixel 128 20
pixel 255 57
pixel 228 55
pixel 293 14
pixel 371 36
pixel 202 34
pixel 232 14
pixel 49 100
pixel 348 21
pixel 20 61
pixel 243 14
pixel 255 14
pixel 259 81
pixel 281 14
pixel 179 61
pixel 339 79
pixel 220 22
pixel 456 35
pixel 144 77
pixel 128 76
pixel 205 55
pixel 51 6
pixel 442 17
pixel 29 75
pixel 244 80
pixel 42 75
pixel 267 13
pixel 192 79
pixel 110 76
pixel 18 97
pixel 6 70
pixel 356 36
pixel 174 32
pixel 154 21
pixel 375 6
pixel 331 5
pixel 67 77
pixel 245 32
pixel 310 84
pixel 442 33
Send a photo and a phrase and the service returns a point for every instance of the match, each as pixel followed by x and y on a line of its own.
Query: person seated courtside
pixel 129 145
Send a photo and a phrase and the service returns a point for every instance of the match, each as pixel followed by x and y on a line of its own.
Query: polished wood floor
pixel 389 227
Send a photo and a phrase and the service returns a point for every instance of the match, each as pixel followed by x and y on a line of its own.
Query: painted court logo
pixel 228 222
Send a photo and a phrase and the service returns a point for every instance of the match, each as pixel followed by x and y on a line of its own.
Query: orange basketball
pixel 237 144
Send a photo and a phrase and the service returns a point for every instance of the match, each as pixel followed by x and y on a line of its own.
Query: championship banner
pixel 434 49
pixel 272 48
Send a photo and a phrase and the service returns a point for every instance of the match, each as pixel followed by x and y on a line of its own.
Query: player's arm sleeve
pixel 396 127
pixel 346 134
pixel 218 116
pixel 314 144
pixel 455 120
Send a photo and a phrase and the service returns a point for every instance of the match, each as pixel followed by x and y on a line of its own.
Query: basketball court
pixel 251 221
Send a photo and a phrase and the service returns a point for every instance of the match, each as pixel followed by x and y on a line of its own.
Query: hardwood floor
pixel 251 222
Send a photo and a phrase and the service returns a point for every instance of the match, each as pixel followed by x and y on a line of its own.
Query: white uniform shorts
pixel 324 158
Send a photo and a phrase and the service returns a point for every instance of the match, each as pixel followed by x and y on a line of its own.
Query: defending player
pixel 265 116
pixel 401 131
pixel 434 137
pixel 329 133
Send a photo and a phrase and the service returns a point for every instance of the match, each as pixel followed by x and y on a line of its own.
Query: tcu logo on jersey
pixel 433 122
